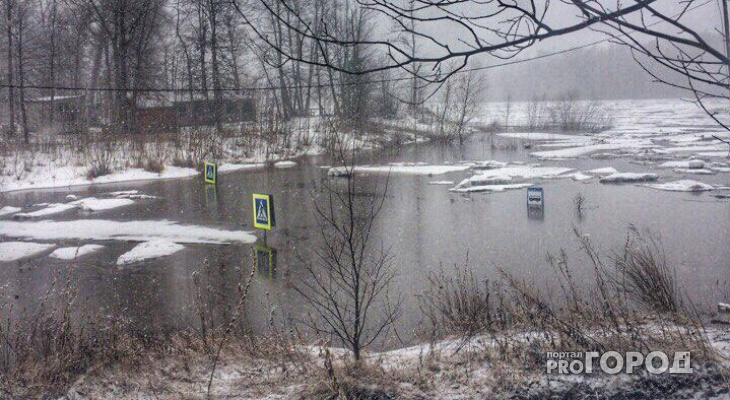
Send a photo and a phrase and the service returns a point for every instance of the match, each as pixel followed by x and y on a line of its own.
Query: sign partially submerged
pixel 535 196
pixel 263 211
pixel 210 172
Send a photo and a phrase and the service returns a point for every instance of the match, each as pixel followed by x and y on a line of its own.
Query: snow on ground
pixel 56 177
pixel 489 188
pixel 70 253
pixel 94 204
pixel 285 164
pixel 629 177
pixel 141 231
pixel 12 251
pixel 50 209
pixel 682 186
pixel 399 168
pixel 7 210
pixel 148 250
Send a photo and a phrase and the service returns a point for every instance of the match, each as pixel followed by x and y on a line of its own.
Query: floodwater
pixel 427 227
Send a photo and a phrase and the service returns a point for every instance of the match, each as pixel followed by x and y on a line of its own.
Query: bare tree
pixel 349 276
pixel 500 28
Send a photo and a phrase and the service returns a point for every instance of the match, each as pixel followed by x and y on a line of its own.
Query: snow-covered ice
pixel 12 251
pixel 285 164
pixel 399 168
pixel 541 136
pixel 488 164
pixel 701 171
pixel 141 231
pixel 523 171
pixel 685 164
pixel 685 185
pixel 449 183
pixel 148 250
pixel 8 210
pixel 94 204
pixel 580 177
pixel 490 188
pixel 50 209
pixel 238 167
pixel 603 171
pixel 629 177
pixel 70 253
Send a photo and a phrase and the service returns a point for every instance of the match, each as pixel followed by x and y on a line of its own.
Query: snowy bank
pixel 137 231
pixel 50 177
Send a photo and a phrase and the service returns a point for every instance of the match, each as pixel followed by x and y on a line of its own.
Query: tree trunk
pixel 11 89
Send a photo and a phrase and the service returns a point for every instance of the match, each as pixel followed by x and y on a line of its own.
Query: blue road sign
pixel 535 196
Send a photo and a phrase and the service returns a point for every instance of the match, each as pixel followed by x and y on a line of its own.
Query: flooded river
pixel 427 226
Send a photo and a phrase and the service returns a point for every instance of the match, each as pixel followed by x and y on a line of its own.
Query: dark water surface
pixel 425 224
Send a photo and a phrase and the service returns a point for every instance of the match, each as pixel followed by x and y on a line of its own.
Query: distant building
pixel 60 114
pixel 156 113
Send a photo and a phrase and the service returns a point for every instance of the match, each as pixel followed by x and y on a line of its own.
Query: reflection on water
pixel 426 225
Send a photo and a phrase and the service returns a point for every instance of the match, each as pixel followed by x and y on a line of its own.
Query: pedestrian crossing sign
pixel 263 211
pixel 210 172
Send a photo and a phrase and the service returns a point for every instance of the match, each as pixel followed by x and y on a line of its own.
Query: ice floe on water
pixel 684 164
pixel 285 164
pixel 630 145
pixel 149 250
pixel 603 171
pixel 140 231
pixel 701 171
pixel 70 253
pixel 398 168
pixel 580 177
pixel 94 204
pixel 228 167
pixel 489 188
pixel 524 172
pixel 629 177
pixel 49 209
pixel 7 210
pixel 449 183
pixel 685 185
pixel 12 251
pixel 542 136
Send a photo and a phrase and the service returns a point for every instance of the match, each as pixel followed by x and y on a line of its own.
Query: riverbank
pixel 450 369
pixel 60 162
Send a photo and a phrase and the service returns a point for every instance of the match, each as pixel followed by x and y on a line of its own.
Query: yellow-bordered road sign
pixel 210 172
pixel 263 211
